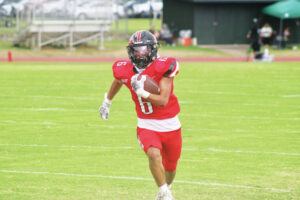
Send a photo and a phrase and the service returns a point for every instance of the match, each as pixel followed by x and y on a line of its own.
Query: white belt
pixel 163 125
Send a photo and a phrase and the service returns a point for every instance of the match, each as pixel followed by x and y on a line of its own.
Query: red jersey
pixel 161 67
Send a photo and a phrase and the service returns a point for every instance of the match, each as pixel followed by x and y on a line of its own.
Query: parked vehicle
pixel 94 10
pixel 118 10
pixel 3 12
pixel 143 8
pixel 54 9
pixel 65 9
pixel 20 5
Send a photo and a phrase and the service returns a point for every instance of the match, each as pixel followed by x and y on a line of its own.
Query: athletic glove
pixel 104 108
pixel 138 86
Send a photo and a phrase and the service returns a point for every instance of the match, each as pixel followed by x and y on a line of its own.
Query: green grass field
pixel 241 134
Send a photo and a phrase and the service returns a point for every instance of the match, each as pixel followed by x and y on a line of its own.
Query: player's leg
pixel 151 145
pixel 171 152
pixel 170 176
pixel 155 165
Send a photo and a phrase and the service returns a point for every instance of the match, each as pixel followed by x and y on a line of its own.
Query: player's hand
pixel 104 108
pixel 137 85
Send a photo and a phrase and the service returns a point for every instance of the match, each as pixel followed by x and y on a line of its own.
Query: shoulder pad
pixel 169 66
pixel 120 68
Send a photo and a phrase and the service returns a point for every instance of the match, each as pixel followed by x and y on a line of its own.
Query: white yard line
pixel 291 96
pixel 229 93
pixel 28 122
pixel 71 146
pixel 191 160
pixel 133 178
pixel 252 152
pixel 49 109
pixel 287 131
pixel 50 123
pixel 214 150
pixel 210 115
pixel 192 92
pixel 53 97
pixel 266 105
pixel 241 117
pixel 182 102
pixel 243 131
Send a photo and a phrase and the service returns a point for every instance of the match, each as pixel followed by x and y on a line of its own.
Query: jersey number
pixel 119 64
pixel 146 106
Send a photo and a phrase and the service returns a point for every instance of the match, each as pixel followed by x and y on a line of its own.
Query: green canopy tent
pixel 286 9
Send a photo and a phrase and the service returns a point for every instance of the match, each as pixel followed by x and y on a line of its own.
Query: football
pixel 150 85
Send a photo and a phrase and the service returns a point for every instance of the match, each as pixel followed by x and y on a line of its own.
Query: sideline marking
pixel 205 183
pixel 181 59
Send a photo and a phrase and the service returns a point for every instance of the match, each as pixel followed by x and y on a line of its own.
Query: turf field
pixel 241 134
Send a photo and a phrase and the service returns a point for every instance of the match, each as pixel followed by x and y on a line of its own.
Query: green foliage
pixel 240 133
pixel 132 25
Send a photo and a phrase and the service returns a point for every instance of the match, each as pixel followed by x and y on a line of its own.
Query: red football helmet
pixel 142 48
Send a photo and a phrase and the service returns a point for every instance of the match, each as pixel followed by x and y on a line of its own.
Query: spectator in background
pixel 253 36
pixel 154 32
pixel 166 35
pixel 286 36
pixel 266 34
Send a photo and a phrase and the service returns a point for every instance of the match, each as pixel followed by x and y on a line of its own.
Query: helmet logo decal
pixel 139 36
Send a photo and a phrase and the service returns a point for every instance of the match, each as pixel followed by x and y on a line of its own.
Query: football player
pixel 158 126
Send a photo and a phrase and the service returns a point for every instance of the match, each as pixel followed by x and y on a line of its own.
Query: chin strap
pixel 137 70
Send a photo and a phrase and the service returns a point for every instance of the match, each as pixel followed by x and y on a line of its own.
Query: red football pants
pixel 169 143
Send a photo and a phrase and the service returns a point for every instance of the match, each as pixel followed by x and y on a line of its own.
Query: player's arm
pixel 114 89
pixel 160 99
pixel 108 97
pixel 165 86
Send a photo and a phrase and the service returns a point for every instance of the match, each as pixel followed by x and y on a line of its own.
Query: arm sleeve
pixel 172 68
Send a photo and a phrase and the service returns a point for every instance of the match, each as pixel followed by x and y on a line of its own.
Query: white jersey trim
pixel 164 125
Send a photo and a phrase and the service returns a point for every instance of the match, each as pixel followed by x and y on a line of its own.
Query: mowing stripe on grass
pixel 132 178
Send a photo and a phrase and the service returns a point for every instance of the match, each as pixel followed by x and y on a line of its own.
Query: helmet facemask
pixel 141 55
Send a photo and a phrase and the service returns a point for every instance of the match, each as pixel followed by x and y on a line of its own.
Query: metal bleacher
pixel 38 27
